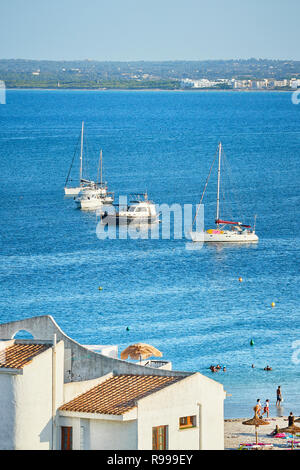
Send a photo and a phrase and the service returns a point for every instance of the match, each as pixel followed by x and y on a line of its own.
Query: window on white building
pixel 187 422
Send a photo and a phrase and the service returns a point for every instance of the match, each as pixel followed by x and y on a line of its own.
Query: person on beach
pixel 276 431
pixel 291 419
pixel 279 396
pixel 257 408
pixel 266 408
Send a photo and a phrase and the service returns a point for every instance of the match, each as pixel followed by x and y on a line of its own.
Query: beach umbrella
pixel 256 422
pixel 291 430
pixel 140 351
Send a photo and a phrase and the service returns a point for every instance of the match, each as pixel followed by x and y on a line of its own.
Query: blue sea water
pixel 188 303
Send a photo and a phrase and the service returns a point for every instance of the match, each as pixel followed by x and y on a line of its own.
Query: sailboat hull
pixel 225 236
pixel 89 204
pixel 71 192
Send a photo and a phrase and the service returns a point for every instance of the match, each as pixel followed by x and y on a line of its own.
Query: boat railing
pixel 157 364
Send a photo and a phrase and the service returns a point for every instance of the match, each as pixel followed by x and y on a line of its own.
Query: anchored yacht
pixel 225 230
pixel 72 191
pixel 140 210
pixel 89 193
pixel 89 200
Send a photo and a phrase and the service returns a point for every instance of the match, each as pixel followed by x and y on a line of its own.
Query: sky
pixel 130 30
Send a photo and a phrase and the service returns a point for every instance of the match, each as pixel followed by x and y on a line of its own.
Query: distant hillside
pixel 138 75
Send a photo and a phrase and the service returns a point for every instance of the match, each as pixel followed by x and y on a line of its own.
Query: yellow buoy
pixel 100 288
pixel 273 304
pixel 240 279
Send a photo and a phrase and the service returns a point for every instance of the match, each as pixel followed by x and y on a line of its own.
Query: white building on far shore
pixel 58 394
pixel 295 83
pixel 204 83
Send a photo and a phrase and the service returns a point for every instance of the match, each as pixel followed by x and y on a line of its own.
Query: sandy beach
pixel 237 433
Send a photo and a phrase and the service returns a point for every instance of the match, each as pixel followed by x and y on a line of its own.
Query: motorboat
pixel 140 210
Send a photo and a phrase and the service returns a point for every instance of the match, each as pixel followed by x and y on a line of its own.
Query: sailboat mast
pixel 101 167
pixel 254 226
pixel 219 183
pixel 81 152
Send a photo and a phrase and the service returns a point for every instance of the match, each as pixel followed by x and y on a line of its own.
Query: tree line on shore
pixel 137 75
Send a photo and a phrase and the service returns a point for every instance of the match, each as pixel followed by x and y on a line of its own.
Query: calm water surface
pixel 188 303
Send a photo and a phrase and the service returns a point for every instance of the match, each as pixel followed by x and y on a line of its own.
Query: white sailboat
pixel 225 231
pixel 89 200
pixel 95 196
pixel 83 183
pixel 108 197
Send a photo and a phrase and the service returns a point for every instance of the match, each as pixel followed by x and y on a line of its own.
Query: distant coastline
pixel 199 90
pixel 194 76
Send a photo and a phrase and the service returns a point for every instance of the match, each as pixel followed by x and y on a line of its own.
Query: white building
pixel 31 375
pixel 241 84
pixel 56 393
pixel 260 84
pixel 281 83
pixel 202 83
pixel 295 83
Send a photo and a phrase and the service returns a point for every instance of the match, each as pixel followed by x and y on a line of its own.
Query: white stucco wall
pixel 8 418
pixel 101 434
pixel 109 435
pixel 26 403
pixel 179 400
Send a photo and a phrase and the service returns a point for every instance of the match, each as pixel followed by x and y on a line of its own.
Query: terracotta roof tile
pixel 118 394
pixel 19 355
